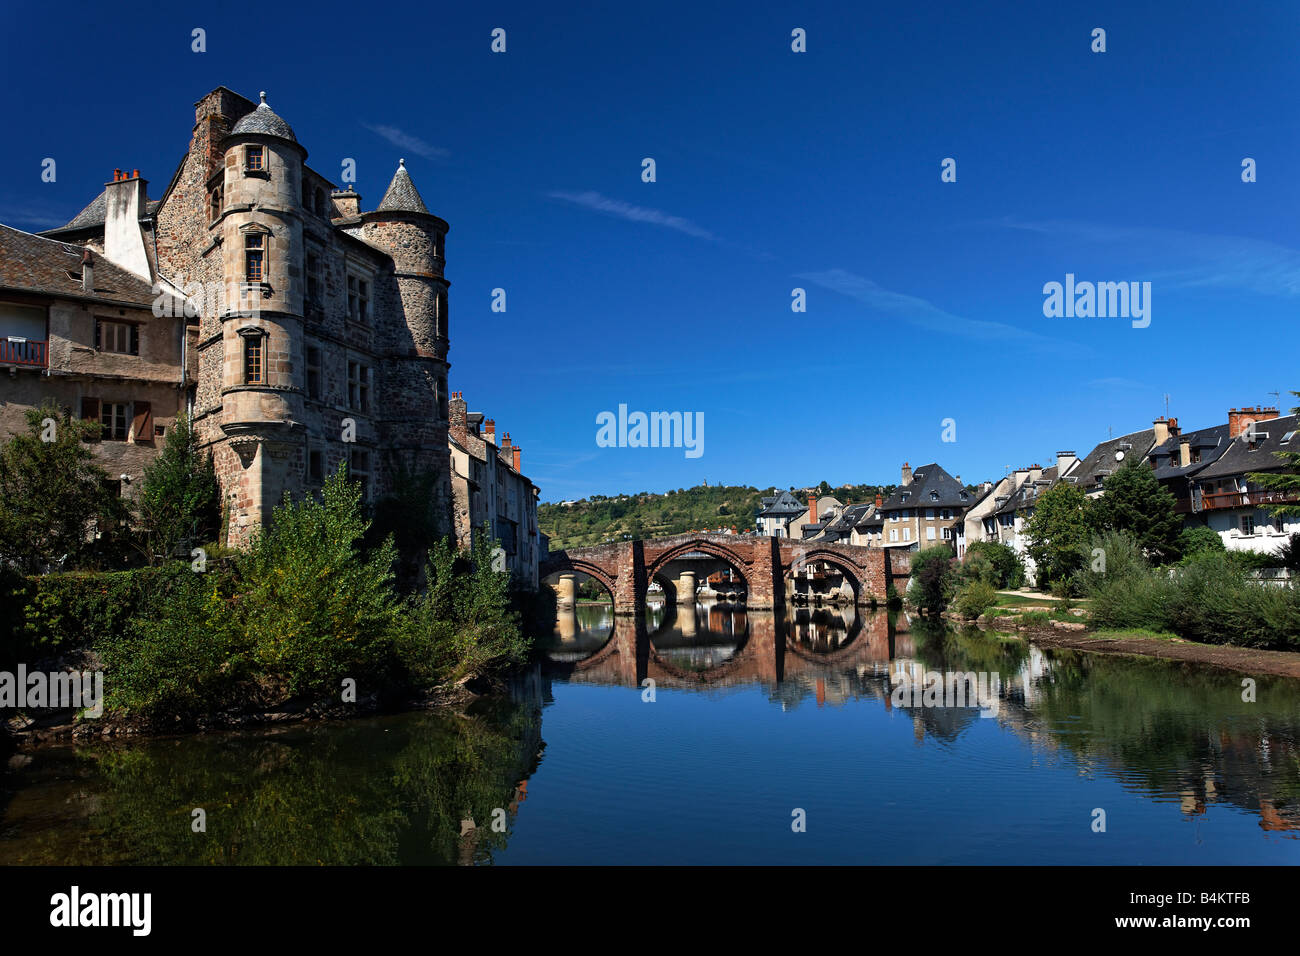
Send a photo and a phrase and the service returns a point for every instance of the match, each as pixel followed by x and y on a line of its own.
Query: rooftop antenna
pixel 1166 404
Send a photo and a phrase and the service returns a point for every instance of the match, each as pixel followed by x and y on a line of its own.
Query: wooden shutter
pixel 142 426
pixel 90 412
pixel 98 340
pixel 135 340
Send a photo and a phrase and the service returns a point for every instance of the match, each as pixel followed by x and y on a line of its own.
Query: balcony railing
pixel 1246 499
pixel 33 352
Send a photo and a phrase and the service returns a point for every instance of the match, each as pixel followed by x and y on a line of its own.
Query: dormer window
pixel 254 159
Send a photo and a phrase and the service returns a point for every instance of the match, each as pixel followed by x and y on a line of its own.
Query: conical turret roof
pixel 265 122
pixel 402 196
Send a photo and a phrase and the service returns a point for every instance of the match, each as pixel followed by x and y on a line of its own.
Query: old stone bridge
pixel 767 565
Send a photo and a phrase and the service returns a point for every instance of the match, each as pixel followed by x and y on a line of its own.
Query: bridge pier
pixel 686 589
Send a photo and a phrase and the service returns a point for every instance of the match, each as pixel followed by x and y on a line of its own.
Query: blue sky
pixel 775 170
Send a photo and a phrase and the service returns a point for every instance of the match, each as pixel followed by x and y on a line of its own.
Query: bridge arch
pixel 852 571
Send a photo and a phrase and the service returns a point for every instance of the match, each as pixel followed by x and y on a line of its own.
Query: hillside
pixel 647 515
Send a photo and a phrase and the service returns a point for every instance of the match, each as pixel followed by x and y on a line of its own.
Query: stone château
pixel 296 330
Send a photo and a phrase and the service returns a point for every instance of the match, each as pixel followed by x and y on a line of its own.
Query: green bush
pixel 1193 541
pixel 463 625
pixel 996 563
pixel 974 598
pixel 316 608
pixel 189 659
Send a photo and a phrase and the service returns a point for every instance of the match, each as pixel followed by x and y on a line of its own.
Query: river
pixel 717 737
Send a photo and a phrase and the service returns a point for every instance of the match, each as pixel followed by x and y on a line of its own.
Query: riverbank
pixel 60 726
pixel 1245 660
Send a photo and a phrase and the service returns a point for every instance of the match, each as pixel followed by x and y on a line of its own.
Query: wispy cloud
pixel 404 140
pixel 624 210
pixel 927 315
pixel 1185 259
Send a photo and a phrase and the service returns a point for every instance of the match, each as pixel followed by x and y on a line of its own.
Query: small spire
pixel 263 96
pixel 401 164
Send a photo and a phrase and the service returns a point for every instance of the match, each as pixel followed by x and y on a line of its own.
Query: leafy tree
pixel 55 494
pixel 1056 530
pixel 1135 502
pixel 179 498
pixel 933 580
pixel 1287 482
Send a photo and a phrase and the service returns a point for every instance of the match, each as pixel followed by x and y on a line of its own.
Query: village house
pixel 1223 496
pixel 297 330
pixel 776 513
pixel 928 508
pixel 78 330
pixel 489 490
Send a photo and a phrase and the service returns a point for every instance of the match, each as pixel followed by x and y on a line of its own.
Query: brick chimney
pixel 1184 451
pixel 87 273
pixel 907 473
pixel 126 200
pixel 880 501
pixel 1174 430
pixel 1162 430
pixel 516 451
pixel 506 451
pixel 490 431
pixel 1239 419
pixel 812 509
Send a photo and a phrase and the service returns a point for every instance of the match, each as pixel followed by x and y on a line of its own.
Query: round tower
pixel 412 336
pixel 259 227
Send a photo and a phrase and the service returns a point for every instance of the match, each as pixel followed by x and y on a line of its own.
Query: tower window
pixel 313 278
pixel 255 159
pixel 358 299
pixel 254 257
pixel 359 470
pixel 359 386
pixel 255 360
pixel 313 372
pixel 214 205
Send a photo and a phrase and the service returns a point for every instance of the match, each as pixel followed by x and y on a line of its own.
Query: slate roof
pixel 402 196
pixel 853 516
pixel 783 505
pixel 1211 442
pixel 1087 475
pixel 31 263
pixel 931 487
pixel 93 215
pixel 1239 459
pixel 264 122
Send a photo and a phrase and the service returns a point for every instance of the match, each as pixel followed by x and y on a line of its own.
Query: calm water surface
pixel 752 718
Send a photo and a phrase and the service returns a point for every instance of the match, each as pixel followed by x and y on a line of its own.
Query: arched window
pixel 214 205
